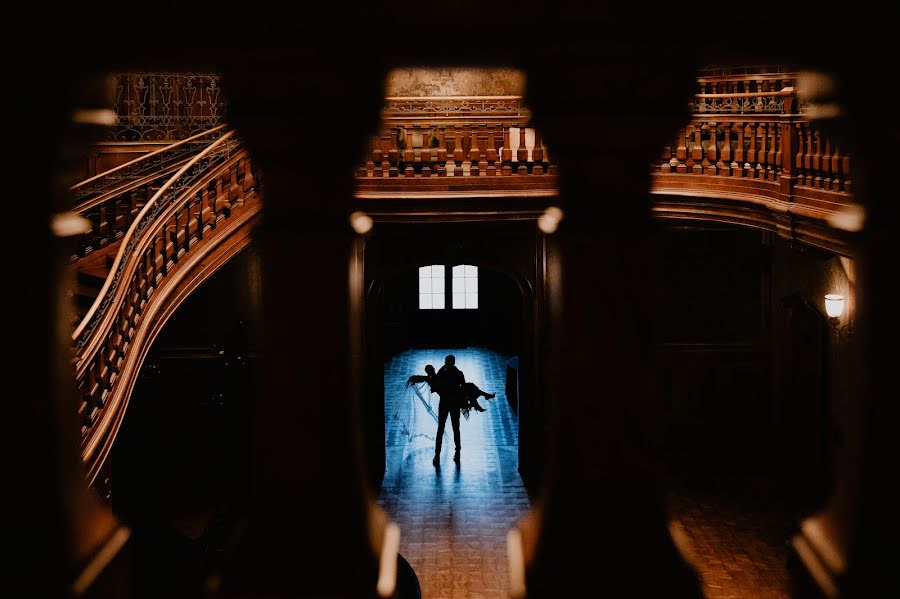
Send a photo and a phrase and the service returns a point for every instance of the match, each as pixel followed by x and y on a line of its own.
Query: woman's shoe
pixel 490 395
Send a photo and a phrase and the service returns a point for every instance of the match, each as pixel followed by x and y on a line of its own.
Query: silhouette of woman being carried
pixel 456 395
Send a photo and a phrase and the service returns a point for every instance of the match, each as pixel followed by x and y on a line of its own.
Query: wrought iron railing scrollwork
pixel 166 106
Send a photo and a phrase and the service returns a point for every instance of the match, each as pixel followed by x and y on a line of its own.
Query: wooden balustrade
pixel 763 149
pixel 112 199
pixel 188 209
pixel 485 149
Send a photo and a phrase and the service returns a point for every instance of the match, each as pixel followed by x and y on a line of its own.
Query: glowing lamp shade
pixel 834 305
pixel 361 222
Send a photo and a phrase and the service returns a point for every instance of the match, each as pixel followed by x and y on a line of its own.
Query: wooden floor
pixel 454 521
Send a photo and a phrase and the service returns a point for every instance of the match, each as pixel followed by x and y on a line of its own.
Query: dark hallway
pixel 454 521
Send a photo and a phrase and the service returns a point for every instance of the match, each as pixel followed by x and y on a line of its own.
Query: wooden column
pixel 601 529
pixel 309 476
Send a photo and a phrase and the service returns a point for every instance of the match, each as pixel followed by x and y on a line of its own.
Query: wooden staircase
pixel 152 242
pixel 92 272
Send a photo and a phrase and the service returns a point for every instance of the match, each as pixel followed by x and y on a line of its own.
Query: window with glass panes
pixel 465 287
pixel 431 287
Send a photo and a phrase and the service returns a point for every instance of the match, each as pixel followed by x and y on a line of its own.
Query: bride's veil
pixel 417 412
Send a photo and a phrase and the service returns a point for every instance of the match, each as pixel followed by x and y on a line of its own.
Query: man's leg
pixel 443 411
pixel 454 421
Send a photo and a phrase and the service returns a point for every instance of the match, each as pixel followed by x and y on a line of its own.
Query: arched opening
pixel 494 346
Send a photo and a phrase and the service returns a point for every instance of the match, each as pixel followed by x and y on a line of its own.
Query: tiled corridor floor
pixel 737 539
pixel 453 520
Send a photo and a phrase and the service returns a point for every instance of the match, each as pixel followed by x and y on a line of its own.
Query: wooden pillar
pixel 63 540
pixel 309 475
pixel 600 530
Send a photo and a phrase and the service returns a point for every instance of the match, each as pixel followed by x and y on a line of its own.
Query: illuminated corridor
pixel 454 521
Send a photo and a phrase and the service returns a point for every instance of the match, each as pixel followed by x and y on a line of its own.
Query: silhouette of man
pixel 450 382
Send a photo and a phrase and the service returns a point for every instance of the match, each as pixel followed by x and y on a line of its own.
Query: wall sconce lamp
pixel 834 307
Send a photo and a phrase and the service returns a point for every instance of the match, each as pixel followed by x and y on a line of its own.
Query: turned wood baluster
pixel 187 225
pixel 836 173
pixel 455 149
pixel 751 150
pixel 779 152
pixel 483 138
pixel 771 129
pixel 522 152
pixel 385 146
pixel 164 268
pixel 465 149
pixel 537 155
pixel 808 154
pixel 152 254
pixel 474 152
pixel 697 152
pixel 409 154
pixel 762 129
pixel 234 188
pixel 725 154
pixel 736 168
pixel 798 157
pixel 711 154
pixel 826 164
pixel 681 152
pixel 173 235
pixel 425 154
pixel 459 153
pixel 441 153
pixel 506 153
pixel 199 202
pixel 393 154
pixel 452 142
pixel 474 146
pixel 817 160
pixel 210 192
pixel 491 153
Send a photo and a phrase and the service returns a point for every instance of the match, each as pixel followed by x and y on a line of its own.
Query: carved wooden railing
pixel 111 200
pixel 195 209
pixel 458 145
pixel 750 145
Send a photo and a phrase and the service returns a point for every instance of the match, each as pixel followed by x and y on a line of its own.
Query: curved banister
pixel 131 231
pixel 140 159
pixel 787 91
pixel 199 218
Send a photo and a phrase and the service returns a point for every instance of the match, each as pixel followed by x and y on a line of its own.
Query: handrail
pixel 407 98
pixel 146 156
pixel 128 186
pixel 131 230
pixel 788 91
